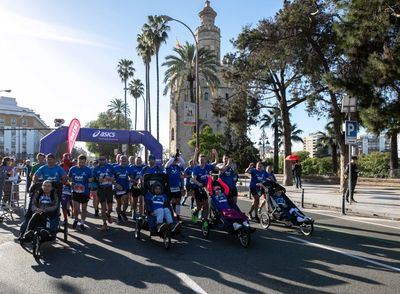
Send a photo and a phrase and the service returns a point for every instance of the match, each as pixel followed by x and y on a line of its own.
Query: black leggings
pixel 38 219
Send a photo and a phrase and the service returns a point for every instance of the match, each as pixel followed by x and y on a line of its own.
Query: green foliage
pixel 303 155
pixel 317 166
pixel 375 165
pixel 208 141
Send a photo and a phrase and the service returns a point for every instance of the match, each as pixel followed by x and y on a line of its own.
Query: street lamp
pixel 8 91
pixel 167 19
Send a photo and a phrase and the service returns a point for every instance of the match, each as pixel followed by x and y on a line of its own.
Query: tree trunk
pixel 334 159
pixel 192 99
pixel 158 98
pixel 394 158
pixel 287 142
pixel 148 94
pixel 276 146
pixel 136 113
pixel 126 118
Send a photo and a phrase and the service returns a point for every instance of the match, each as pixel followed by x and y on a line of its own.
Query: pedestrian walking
pixel 297 173
pixel 354 177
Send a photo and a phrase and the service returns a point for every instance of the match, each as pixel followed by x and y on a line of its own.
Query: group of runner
pixel 122 181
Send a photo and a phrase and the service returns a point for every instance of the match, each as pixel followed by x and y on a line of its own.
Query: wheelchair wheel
pixel 166 236
pixel 244 238
pixel 65 231
pixel 265 220
pixel 307 228
pixel 205 228
pixel 36 245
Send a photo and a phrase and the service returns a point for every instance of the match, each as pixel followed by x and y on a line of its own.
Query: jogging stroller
pixel 281 209
pixel 148 222
pixel 51 226
pixel 225 215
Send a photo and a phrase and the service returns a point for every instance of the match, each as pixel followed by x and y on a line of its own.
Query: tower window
pixel 206 96
pixel 172 134
pixel 226 95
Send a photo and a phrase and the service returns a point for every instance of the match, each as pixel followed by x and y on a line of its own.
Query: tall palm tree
pixel 136 89
pixel 272 119
pixel 181 67
pixel 328 139
pixel 117 107
pixel 125 71
pixel 145 50
pixel 157 30
pixel 295 134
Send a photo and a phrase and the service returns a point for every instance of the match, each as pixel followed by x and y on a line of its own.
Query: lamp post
pixel 197 116
pixel 263 142
pixel 19 133
pixel 349 105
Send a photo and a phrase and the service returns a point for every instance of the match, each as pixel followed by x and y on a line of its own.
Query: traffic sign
pixel 351 128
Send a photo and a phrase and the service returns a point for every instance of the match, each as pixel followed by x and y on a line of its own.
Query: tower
pixel 208 36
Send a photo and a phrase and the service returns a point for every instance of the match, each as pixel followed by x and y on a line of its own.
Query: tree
pixel 117 108
pixel 370 39
pixel 145 50
pixel 136 89
pixel 271 119
pixel 294 136
pixel 125 71
pixel 157 29
pixel 208 141
pixel 328 141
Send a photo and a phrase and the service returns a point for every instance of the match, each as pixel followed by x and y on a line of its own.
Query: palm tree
pixel 181 68
pixel 272 119
pixel 117 107
pixel 328 140
pixel 157 30
pixel 295 134
pixel 146 51
pixel 136 89
pixel 125 71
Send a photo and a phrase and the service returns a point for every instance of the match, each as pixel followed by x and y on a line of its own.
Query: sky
pixel 60 57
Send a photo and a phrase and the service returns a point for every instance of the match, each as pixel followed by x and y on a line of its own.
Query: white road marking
pixel 345 253
pixel 353 219
pixel 190 283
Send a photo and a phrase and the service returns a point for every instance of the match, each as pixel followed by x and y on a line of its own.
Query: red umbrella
pixel 292 157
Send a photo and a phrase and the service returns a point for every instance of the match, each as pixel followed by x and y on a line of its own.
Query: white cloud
pixel 14 24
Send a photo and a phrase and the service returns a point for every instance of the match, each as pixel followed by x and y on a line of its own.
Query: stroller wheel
pixel 244 238
pixel 265 220
pixel 205 228
pixel 307 228
pixel 166 235
pixel 36 245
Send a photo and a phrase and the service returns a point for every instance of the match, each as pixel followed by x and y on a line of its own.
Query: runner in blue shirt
pixel 104 175
pixel 121 186
pixel 174 169
pixel 135 171
pixel 200 178
pixel 270 176
pixel 189 184
pixel 152 168
pixel 258 175
pixel 229 176
pixel 80 176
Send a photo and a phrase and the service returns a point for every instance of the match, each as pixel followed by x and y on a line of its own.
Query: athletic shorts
pixel 80 197
pixel 175 195
pixel 105 194
pixel 200 195
pixel 119 196
pixel 257 191
pixel 136 191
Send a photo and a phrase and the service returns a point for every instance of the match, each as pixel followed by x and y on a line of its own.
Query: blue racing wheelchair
pixel 148 221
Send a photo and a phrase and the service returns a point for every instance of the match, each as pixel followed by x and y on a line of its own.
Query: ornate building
pixel 181 131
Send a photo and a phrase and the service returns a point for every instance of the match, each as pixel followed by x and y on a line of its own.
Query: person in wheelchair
pixel 44 207
pixel 283 208
pixel 158 205
pixel 229 212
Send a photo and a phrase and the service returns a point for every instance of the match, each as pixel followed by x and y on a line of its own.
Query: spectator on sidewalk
pixel 297 173
pixel 5 173
pixel 354 177
pixel 28 169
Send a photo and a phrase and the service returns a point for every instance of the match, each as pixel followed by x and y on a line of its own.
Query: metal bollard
pixel 302 198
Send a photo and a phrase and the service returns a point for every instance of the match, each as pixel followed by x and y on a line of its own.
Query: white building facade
pixel 20 130
pixel 311 142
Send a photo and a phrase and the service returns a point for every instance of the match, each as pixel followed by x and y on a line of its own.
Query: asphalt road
pixel 344 255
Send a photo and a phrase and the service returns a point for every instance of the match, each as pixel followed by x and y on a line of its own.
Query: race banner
pixel 73 132
pixel 189 110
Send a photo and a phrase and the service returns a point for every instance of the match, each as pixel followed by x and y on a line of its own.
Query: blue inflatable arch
pixel 49 143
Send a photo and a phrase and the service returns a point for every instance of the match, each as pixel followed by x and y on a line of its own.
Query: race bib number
pixel 78 188
pixel 121 192
pixel 175 189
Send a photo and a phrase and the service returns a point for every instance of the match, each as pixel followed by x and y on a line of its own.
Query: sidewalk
pixel 371 200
